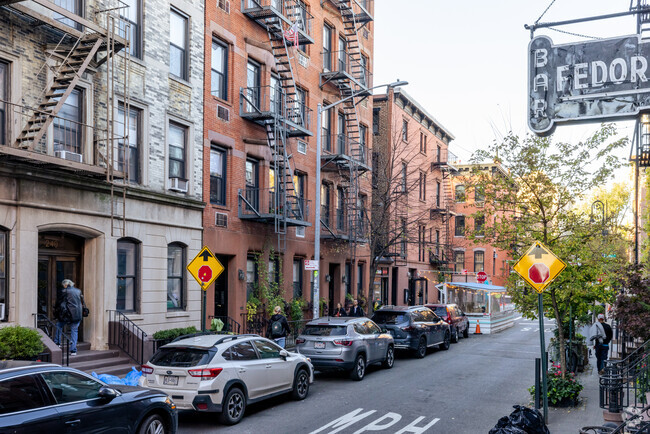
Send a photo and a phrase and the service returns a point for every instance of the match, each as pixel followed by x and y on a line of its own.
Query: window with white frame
pixel 128 268
pixel 4 96
pixel 177 152
pixel 217 176
pixel 129 142
pixel 178 44
pixel 175 276
pixel 130 26
pixel 479 261
pixel 219 68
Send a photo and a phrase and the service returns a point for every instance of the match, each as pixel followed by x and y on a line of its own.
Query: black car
pixel 414 328
pixel 455 318
pixel 47 398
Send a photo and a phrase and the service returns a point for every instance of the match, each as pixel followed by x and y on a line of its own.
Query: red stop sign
pixel 539 273
pixel 481 276
pixel 205 273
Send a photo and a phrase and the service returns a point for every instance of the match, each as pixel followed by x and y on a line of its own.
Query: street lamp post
pixel 600 208
pixel 319 114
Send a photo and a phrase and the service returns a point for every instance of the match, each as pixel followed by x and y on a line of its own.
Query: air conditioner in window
pixel 70 156
pixel 2 312
pixel 300 231
pixel 178 184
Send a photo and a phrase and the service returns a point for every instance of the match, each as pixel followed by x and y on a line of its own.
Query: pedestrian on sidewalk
pixel 601 335
pixel 339 311
pixel 69 310
pixel 278 327
pixel 356 310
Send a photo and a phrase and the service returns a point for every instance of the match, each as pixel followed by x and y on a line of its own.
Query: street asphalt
pixel 463 390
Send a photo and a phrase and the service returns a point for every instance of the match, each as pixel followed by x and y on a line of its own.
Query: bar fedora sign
pixel 590 81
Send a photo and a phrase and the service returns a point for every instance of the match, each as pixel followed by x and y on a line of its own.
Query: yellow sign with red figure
pixel 539 266
pixel 205 268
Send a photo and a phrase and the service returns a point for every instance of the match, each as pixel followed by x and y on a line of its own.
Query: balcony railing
pixel 340 219
pixel 343 145
pixel 344 66
pixel 266 102
pixel 261 10
pixel 266 204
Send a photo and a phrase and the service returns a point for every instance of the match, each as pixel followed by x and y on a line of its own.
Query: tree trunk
pixel 560 334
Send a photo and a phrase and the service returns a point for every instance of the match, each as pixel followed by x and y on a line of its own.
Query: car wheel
pixel 300 385
pixel 466 332
pixel 359 370
pixel 454 336
pixel 445 344
pixel 390 358
pixel 233 407
pixel 153 424
pixel 421 351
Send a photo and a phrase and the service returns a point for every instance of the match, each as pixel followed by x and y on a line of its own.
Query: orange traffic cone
pixel 478 329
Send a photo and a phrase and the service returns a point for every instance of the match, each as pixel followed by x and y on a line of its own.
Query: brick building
pixel 101 125
pixel 261 94
pixel 412 204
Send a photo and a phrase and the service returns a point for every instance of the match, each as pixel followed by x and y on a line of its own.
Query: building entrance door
pixel 221 290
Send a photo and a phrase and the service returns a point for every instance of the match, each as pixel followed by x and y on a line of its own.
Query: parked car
pixel 223 374
pixel 48 398
pixel 347 344
pixel 414 328
pixel 451 313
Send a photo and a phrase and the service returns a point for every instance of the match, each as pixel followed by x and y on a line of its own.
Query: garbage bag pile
pixel 131 378
pixel 523 420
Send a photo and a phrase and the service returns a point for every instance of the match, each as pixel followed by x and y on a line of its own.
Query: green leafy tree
pixel 534 195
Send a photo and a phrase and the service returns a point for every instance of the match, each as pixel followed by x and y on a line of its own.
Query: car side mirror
pixel 384 330
pixel 284 354
pixel 108 393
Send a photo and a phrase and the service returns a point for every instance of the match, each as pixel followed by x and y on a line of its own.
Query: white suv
pixel 217 373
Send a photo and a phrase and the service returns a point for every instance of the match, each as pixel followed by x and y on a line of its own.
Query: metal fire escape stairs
pixel 446 213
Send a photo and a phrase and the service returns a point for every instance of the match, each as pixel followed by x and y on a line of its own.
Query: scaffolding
pixel 76 46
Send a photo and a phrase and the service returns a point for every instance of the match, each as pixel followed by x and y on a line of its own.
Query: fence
pixel 48 326
pixel 626 383
pixel 126 335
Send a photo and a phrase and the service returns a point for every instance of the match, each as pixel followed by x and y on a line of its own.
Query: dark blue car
pixel 46 398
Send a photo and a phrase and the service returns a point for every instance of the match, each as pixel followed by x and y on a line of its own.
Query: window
pixel 423 143
pixel 438 154
pixel 297 277
pixel 177 140
pixel 68 387
pixel 375 121
pixel 325 204
pixel 460 226
pixel 175 276
pixel 253 83
pixel 494 262
pixel 479 226
pixel 267 350
pixel 130 27
pixel 479 261
pixel 437 243
pixel 405 130
pixel 340 209
pixel 363 131
pixel 343 55
pixel 326 130
pixel 364 70
pixel 347 278
pixel 438 194
pixel 360 278
pixel 252 183
pixel 274 270
pixel 128 143
pixel 218 176
pixel 302 23
pixel 128 267
pixel 422 233
pixel 403 241
pixel 361 204
pixel 276 95
pixel 4 96
pixel 299 188
pixel 422 186
pixel 459 261
pixel 67 126
pixel 327 48
pixel 341 138
pixel 73 6
pixel 251 276
pixel 301 106
pixel 4 267
pixel 178 48
pixel 20 394
pixel 404 176
pixel 243 351
pixel 479 194
pixel 219 78
pixel 460 193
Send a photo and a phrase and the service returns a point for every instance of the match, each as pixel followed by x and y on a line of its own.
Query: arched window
pixel 128 275
pixel 175 276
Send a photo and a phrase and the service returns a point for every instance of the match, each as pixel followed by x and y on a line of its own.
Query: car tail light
pixel 205 373
pixel 300 341
pixel 146 369
pixel 202 406
pixel 343 342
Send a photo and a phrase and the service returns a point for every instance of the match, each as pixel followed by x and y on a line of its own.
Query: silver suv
pixel 348 344
pixel 217 373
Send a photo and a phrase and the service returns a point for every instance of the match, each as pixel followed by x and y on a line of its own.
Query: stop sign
pixel 539 273
pixel 205 273
pixel 481 276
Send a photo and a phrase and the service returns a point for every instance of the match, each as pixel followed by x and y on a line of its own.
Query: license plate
pixel 170 380
pixel 319 345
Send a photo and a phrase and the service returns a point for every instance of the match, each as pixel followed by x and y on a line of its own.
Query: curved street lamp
pixel 599 207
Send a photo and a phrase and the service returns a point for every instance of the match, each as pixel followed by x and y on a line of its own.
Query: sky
pixel 466 62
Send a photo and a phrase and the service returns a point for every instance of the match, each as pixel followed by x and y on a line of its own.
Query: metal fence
pixel 626 383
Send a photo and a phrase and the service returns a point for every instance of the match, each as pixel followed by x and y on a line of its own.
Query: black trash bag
pixel 528 419
pixel 509 429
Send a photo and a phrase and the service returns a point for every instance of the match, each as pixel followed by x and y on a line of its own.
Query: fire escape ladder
pixel 449 199
pixel 66 77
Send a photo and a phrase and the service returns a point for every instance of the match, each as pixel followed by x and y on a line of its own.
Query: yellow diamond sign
pixel 205 268
pixel 539 266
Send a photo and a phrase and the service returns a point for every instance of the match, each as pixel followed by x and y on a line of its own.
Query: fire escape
pixel 281 109
pixel 441 254
pixel 76 46
pixel 349 156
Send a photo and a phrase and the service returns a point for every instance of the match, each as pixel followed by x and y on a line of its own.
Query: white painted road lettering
pixel 380 424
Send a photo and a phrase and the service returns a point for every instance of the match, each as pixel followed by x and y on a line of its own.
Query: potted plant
pixel 562 392
pixel 20 343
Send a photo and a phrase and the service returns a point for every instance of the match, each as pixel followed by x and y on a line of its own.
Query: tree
pixel 536 199
pixel 632 306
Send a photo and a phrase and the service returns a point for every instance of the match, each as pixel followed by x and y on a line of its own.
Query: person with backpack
pixel 70 308
pixel 601 335
pixel 278 327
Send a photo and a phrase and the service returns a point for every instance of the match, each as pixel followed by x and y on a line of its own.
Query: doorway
pixel 221 290
pixel 334 289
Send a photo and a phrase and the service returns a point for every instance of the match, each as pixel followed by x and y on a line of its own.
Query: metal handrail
pixel 49 327
pixel 126 335
pixel 229 324
pixel 620 385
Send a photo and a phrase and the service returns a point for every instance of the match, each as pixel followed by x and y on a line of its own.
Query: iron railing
pixel 126 335
pixel 626 383
pixel 263 202
pixel 256 323
pixel 229 324
pixel 49 327
pixel 266 102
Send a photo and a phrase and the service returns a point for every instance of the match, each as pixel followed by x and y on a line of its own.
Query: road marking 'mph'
pixel 380 424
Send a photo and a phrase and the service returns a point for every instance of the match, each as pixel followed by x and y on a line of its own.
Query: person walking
pixel 601 335
pixel 356 310
pixel 278 327
pixel 69 310
pixel 339 311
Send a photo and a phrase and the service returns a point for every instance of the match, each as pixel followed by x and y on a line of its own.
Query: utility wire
pixel 573 34
pixel 545 10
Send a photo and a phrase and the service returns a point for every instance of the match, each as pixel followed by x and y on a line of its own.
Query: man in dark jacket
pixel 356 310
pixel 69 310
pixel 278 327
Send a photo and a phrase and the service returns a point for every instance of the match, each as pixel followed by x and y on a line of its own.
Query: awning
pixel 475 286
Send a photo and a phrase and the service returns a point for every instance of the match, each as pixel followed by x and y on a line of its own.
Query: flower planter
pixel 565 402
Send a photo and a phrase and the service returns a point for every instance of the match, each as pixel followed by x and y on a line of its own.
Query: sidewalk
pixel 586 413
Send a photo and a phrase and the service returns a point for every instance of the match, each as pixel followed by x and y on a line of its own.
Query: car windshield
pixel 441 311
pixel 325 330
pixel 180 357
pixel 389 317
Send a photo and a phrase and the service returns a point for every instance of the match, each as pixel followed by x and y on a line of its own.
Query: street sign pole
pixel 203 312
pixel 542 345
